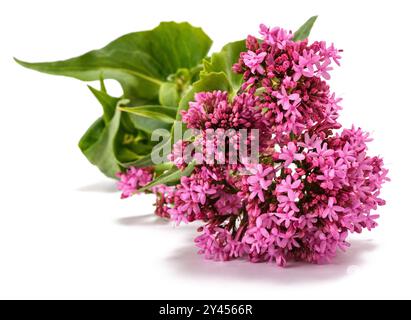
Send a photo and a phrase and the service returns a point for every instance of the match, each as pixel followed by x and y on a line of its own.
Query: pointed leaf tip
pixel 304 31
pixel 20 62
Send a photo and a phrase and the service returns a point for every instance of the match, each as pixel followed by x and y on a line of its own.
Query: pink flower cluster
pixel 133 179
pixel 213 110
pixel 313 184
pixel 290 78
pixel 215 119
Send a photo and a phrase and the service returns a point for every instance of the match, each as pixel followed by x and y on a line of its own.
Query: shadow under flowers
pixel 143 220
pixel 103 186
pixel 186 261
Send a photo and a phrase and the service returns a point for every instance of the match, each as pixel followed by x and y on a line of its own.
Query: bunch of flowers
pixel 312 185
pixel 267 169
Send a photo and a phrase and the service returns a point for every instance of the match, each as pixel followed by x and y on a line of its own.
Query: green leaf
pixel 163 167
pixel 170 177
pixel 304 31
pixel 151 67
pixel 140 61
pixel 161 113
pixel 142 161
pixel 107 102
pixel 223 62
pixel 146 160
pixel 133 140
pixel 169 95
pixel 97 143
pixel 116 137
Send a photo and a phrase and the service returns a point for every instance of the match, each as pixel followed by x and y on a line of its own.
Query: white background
pixel 64 233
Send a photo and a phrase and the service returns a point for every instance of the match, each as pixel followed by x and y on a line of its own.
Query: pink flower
pixel 323 68
pixel 133 179
pixel 331 211
pixel 293 113
pixel 217 244
pixel 286 218
pixel 289 154
pixel 228 204
pixel 306 63
pixel 288 83
pixel 288 239
pixel 288 203
pixel 194 194
pixel 333 173
pixel 288 185
pixel 258 237
pixel 178 156
pixel 331 52
pixel 347 153
pixel 321 153
pixel 276 36
pixel 201 192
pixel 284 99
pixel 253 61
pixel 177 215
pixel 258 183
pixel 205 104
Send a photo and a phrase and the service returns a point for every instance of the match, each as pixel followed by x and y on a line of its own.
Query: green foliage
pixel 304 31
pixel 160 71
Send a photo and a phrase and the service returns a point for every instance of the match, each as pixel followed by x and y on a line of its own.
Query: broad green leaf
pixel 115 137
pixel 161 113
pixel 146 124
pixel 224 60
pixel 97 143
pixel 170 177
pixel 151 67
pixel 140 61
pixel 304 31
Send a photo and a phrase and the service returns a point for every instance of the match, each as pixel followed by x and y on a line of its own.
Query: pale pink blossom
pixel 253 61
pixel 290 154
pixel 285 99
